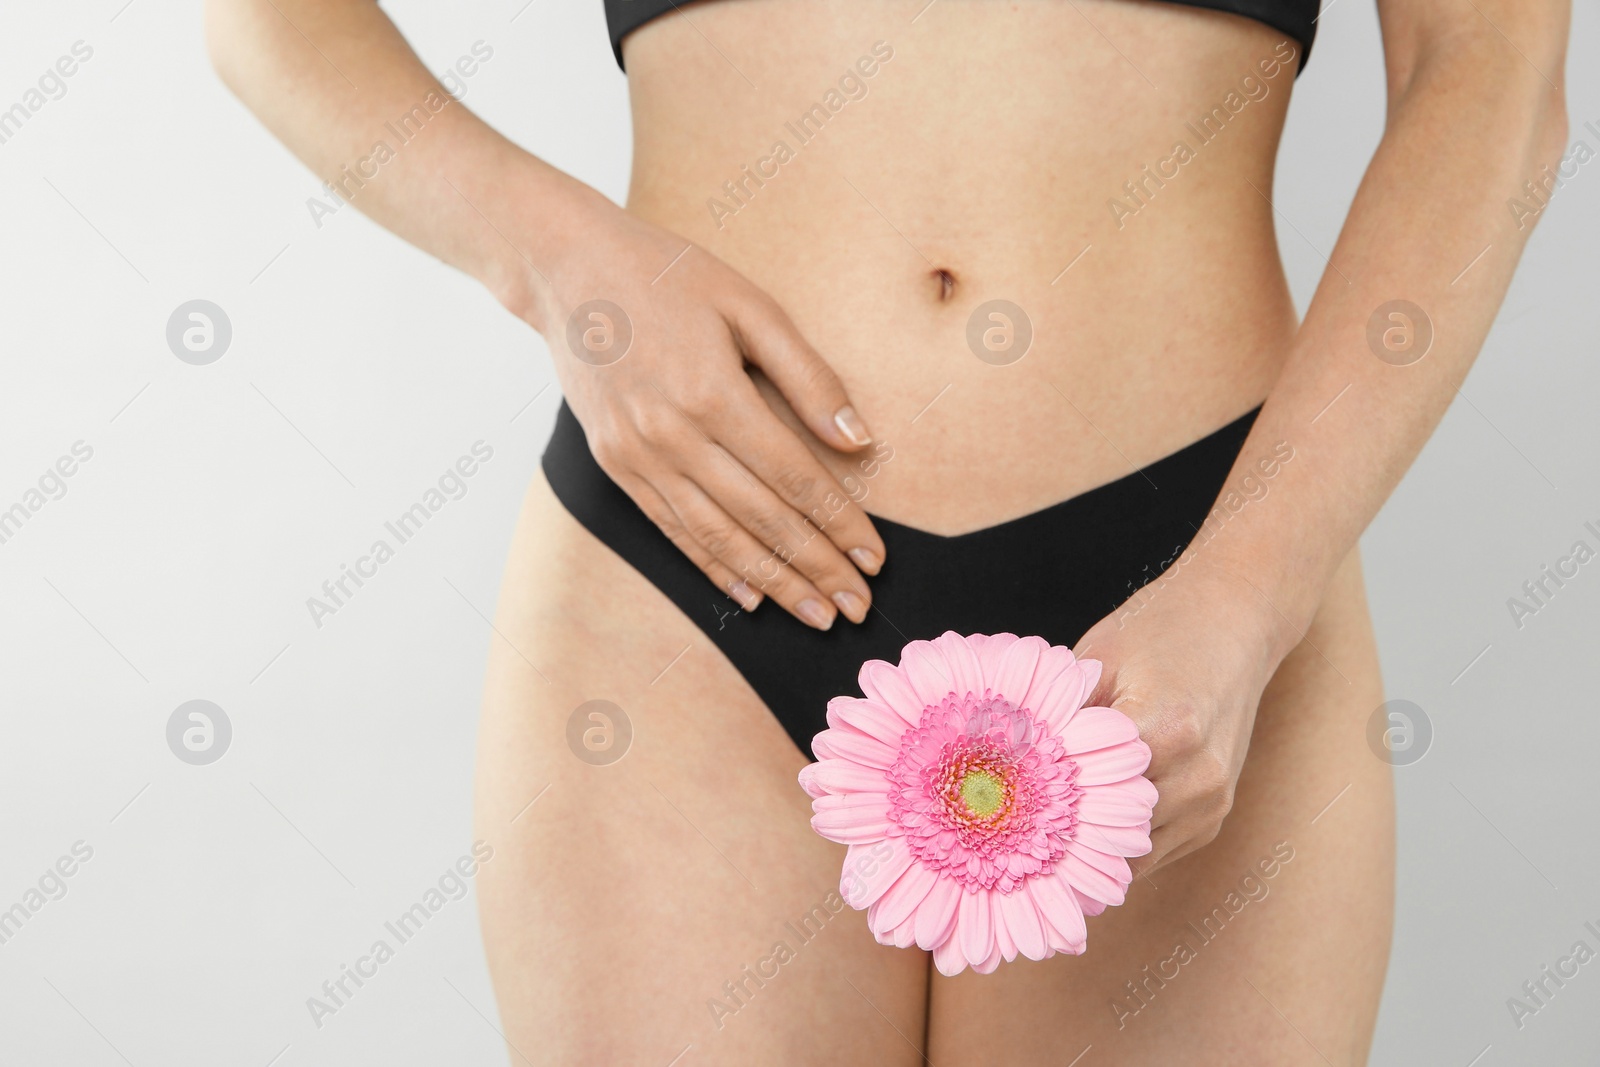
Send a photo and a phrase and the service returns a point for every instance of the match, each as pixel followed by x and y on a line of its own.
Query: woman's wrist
pixel 1241 594
pixel 536 221
pixel 1279 588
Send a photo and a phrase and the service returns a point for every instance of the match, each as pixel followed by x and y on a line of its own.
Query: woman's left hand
pixel 1187 659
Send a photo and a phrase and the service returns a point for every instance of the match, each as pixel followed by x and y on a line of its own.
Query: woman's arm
pixel 326 78
pixel 678 423
pixel 1476 109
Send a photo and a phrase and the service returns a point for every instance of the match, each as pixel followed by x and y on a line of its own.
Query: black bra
pixel 1297 18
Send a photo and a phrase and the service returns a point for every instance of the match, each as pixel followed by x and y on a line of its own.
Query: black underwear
pixel 1052 573
pixel 1297 18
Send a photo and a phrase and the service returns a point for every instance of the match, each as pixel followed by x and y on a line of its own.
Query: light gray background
pixel 220 497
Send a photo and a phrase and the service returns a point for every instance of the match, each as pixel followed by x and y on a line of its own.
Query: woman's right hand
pixel 651 336
pixel 677 422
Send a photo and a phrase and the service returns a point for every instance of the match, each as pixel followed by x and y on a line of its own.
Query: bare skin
pixel 979 160
pixel 622 902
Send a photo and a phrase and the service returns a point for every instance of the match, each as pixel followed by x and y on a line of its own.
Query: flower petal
pixel 1014 676
pixel 1091 907
pixel 1066 693
pixel 1059 908
pixel 853 745
pixel 888 685
pixel 867 874
pixel 1023 922
pixel 991 648
pixel 1115 840
pixel 975 925
pixel 904 935
pixel 1090 882
pixel 1113 867
pixel 1054 660
pixel 1005 944
pixel 902 898
pixel 868 717
pixel 988 966
pixel 925 668
pixel 949 958
pixel 1118 763
pixel 1085 676
pixel 841 776
pixel 851 818
pixel 1112 805
pixel 819 746
pixel 1094 728
pixel 936 915
pixel 966 672
pixel 1137 788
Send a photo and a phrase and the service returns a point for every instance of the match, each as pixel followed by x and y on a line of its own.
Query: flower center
pixel 982 792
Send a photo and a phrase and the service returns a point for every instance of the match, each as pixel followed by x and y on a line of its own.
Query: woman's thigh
pixel 672 906
pixel 1267 946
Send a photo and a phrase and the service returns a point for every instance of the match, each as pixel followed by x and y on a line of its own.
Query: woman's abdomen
pixel 1033 239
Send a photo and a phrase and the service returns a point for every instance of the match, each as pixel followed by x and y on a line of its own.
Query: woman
pixel 928 316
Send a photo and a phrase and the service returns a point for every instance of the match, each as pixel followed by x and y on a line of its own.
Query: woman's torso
pixel 1031 151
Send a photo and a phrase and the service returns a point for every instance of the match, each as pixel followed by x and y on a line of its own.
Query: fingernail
pixel 866 559
pixel 851 426
pixel 853 606
pixel 815 612
pixel 748 598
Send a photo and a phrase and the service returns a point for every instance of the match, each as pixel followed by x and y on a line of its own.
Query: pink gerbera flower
pixel 986 810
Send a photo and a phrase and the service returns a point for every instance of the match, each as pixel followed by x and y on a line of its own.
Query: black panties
pixel 1052 573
